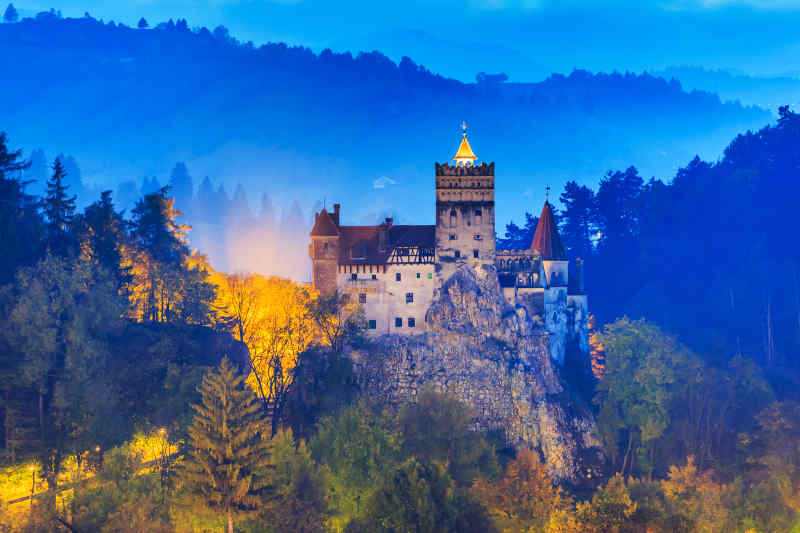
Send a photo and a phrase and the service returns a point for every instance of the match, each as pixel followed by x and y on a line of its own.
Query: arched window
pixel 453 218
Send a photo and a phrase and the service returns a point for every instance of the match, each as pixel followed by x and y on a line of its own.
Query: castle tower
pixel 324 251
pixel 464 211
pixel 555 268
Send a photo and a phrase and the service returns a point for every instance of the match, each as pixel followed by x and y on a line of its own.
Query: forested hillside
pixel 710 255
pixel 129 103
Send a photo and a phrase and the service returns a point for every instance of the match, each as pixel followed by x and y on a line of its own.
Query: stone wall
pixel 495 358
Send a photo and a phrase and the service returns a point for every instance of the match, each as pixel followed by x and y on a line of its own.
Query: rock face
pixel 496 359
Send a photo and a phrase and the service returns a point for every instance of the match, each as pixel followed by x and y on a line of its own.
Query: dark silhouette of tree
pixel 21 225
pixel 142 24
pixel 10 14
pixel 519 238
pixel 59 210
pixel 577 219
pixel 102 233
pixel 182 186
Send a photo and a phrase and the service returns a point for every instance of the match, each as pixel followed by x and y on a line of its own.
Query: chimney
pixel 336 209
pixel 383 234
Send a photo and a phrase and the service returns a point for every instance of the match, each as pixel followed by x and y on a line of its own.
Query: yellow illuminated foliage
pixel 596 351
pixel 524 498
pixel 271 316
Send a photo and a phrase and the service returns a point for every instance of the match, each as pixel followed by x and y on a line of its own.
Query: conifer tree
pixel 11 14
pixel 228 458
pixel 142 24
pixel 59 208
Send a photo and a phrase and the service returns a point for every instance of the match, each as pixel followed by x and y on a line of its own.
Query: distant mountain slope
pixel 128 103
pixel 767 92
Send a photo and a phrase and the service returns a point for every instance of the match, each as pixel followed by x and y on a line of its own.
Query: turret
pixel 324 251
pixel 547 243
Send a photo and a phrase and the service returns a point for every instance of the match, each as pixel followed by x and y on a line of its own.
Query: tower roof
pixel 464 153
pixel 546 239
pixel 324 226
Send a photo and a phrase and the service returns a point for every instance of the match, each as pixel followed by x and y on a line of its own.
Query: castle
pixel 394 271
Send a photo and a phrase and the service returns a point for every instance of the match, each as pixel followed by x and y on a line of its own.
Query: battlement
pixel 462 170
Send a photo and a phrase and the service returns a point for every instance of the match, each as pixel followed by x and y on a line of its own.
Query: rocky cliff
pixel 496 359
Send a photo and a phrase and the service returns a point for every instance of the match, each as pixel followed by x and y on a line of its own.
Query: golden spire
pixel 464 156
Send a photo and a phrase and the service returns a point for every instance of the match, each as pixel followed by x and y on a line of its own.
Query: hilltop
pixel 128 103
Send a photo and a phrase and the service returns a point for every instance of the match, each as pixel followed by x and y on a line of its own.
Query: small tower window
pixel 362 298
pixel 453 236
pixel 397 277
pixel 418 275
pixel 475 254
pixel 477 237
pixel 372 324
pixel 398 322
pixel 478 217
pixel 453 218
pixel 374 276
pixel 412 322
pixel 458 254
pixel 354 276
pixel 409 297
pixel 325 246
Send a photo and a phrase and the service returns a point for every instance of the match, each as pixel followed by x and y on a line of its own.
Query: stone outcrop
pixel 496 359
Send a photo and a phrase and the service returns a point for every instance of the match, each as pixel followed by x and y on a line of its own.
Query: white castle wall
pixel 386 296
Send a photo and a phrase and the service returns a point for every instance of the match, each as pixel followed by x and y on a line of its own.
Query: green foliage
pixel 359 447
pixel 62 321
pixel 102 233
pixel 298 488
pixel 634 396
pixel 225 468
pixel 438 427
pixel 421 497
pixel 59 210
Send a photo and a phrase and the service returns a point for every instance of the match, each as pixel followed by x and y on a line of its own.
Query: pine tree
pixel 142 24
pixel 228 458
pixel 577 219
pixel 59 209
pixel 20 221
pixel 11 14
pixel 102 233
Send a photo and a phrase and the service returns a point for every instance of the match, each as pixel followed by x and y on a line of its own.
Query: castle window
pixel 398 322
pixel 478 217
pixel 409 297
pixel 372 324
pixel 453 236
pixel 325 247
pixel 458 254
pixel 430 276
pixel 412 322
pixel 397 277
pixel 418 275
pixel 354 276
pixel 475 254
pixel 374 276
pixel 453 218
pixel 477 237
pixel 362 298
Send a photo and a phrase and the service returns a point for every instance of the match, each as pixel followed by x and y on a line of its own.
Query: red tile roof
pixel 546 239
pixel 324 226
pixel 359 245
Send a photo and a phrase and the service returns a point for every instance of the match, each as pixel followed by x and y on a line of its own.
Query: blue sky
pixel 527 39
